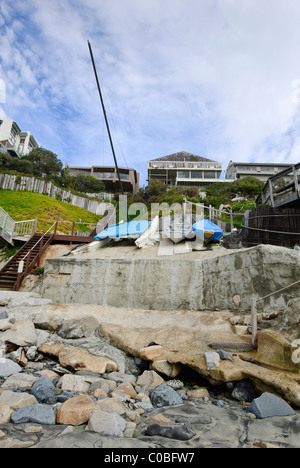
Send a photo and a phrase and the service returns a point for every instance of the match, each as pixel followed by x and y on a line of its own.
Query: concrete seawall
pixel 224 282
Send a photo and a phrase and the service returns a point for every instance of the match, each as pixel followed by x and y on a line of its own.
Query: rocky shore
pixel 62 385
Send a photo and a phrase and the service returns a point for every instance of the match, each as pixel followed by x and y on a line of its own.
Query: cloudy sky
pixel 217 78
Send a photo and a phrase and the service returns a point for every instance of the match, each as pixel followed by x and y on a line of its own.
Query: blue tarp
pixel 133 228
pixel 207 230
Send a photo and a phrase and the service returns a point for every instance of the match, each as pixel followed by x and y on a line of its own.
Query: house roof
pixel 183 156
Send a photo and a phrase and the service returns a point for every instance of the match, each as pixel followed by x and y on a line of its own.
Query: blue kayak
pixel 207 231
pixel 132 228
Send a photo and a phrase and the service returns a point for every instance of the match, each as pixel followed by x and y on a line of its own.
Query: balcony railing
pixel 184 165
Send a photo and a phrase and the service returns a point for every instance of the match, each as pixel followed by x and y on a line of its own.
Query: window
pixel 183 174
pixel 196 174
pixel 245 168
pixel 209 175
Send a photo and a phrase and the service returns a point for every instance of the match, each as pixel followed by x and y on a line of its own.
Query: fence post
pixel 40 251
pixel 231 220
pixel 27 262
pixel 254 322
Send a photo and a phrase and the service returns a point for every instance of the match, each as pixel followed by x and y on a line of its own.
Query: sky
pixel 216 78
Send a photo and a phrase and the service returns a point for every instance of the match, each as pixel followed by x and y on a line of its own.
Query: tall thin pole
pixel 106 121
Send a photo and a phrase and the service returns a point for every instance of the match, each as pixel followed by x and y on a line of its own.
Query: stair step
pixel 9 274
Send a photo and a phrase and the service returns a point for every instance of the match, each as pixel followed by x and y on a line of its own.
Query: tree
pixel 44 163
pixel 88 184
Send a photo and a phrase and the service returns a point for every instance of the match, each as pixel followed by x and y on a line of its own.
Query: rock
pixel 165 396
pixel 78 328
pixel 125 388
pixel 16 400
pixel 108 424
pixel 107 386
pixel 244 391
pixel 76 411
pixel 130 428
pixel 158 419
pixel 142 397
pixel 121 377
pixel 45 321
pixel 166 368
pixel 8 367
pixel 175 431
pixel 43 390
pixel 149 380
pixel 224 355
pixel 212 360
pixel 151 353
pixel 111 405
pixel 199 393
pixel 5 414
pixel 269 405
pixel 5 324
pixel 144 405
pixel 40 414
pixel 16 381
pixel 79 358
pixel 3 315
pixel 49 373
pixel 19 357
pixel 265 445
pixel 31 353
pixel 9 443
pixel 76 383
pixel 22 333
pixel 176 384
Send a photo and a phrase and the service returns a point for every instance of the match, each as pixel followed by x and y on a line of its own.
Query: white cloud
pixel 213 77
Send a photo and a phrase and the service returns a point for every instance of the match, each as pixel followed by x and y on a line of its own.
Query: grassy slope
pixel 26 205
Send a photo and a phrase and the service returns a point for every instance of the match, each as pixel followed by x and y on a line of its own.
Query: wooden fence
pixel 275 226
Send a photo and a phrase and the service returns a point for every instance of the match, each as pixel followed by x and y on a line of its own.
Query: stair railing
pixel 25 261
pixel 254 302
pixel 10 228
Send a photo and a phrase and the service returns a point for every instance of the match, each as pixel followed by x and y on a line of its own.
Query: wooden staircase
pixel 21 265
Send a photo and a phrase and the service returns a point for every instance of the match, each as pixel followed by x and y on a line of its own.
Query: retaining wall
pixel 225 282
pixel 31 184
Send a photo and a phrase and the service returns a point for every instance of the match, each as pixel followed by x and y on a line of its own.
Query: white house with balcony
pixel 261 171
pixel 184 169
pixel 14 141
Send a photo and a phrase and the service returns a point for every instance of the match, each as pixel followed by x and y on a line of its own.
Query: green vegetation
pixel 238 195
pixel 45 164
pixel 216 194
pixel 23 206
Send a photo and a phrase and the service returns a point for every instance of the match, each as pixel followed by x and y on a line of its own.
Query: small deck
pixel 282 189
pixel 72 239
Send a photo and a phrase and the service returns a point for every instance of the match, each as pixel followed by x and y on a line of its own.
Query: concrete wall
pixel 225 282
pixel 31 184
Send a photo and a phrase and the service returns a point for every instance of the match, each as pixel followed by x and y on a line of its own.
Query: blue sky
pixel 217 78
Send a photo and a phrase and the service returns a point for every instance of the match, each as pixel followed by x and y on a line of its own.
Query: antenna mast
pixel 106 121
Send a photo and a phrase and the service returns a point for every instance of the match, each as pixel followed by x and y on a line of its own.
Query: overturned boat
pixel 133 229
pixel 207 231
pixel 179 229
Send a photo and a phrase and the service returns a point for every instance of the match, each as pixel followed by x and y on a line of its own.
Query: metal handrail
pixel 254 302
pixel 38 241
